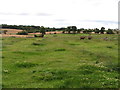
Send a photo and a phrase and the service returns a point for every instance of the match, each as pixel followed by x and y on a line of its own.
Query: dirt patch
pixel 57 32
pixel 14 35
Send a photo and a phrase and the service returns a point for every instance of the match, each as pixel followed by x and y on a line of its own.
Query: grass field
pixel 60 61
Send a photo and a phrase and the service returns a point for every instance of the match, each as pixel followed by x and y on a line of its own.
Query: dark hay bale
pixel 82 37
pixel 40 44
pixel 89 37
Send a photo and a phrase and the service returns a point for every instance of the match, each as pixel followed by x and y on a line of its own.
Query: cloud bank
pixel 60 13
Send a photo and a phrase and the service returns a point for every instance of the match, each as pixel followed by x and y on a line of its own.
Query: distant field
pixel 60 61
pixel 13 33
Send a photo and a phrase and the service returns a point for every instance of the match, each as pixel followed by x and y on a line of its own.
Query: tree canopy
pixel 69 29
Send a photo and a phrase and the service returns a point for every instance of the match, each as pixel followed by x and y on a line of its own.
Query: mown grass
pixel 61 61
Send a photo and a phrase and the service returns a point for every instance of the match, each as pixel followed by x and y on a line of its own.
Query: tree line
pixel 30 28
pixel 69 29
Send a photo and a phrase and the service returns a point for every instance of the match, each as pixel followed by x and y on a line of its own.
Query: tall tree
pixel 68 29
pixel 78 30
pixel 42 30
pixel 102 30
pixel 74 29
pixel 110 31
pixel 96 30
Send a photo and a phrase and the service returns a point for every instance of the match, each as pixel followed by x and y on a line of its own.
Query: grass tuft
pixel 60 49
pixel 109 47
pixel 49 75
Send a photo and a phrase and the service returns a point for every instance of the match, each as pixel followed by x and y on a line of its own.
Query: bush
pixel 49 75
pixel 22 33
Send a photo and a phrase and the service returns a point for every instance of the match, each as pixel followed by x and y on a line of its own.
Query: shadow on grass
pixel 25 64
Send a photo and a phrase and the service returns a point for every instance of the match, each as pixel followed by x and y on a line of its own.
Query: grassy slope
pixel 60 61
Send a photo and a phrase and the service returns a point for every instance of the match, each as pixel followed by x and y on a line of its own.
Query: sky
pixel 60 13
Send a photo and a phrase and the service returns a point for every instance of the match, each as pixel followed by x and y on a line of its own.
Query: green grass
pixel 60 61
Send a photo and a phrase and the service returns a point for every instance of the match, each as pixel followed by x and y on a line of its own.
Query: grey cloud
pixel 102 21
pixel 4 20
pixel 97 4
pixel 4 13
pixel 43 14
pixel 64 23
pixel 108 22
pixel 60 20
pixel 24 14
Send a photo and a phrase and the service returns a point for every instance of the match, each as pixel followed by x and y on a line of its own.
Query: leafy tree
pixel 110 31
pixel 65 31
pixel 81 29
pixel 78 31
pixel 53 29
pixel 74 29
pixel 89 31
pixel 96 30
pixel 68 29
pixel 102 30
pixel 84 31
pixel 42 30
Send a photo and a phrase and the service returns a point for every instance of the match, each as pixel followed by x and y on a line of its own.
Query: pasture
pixel 60 61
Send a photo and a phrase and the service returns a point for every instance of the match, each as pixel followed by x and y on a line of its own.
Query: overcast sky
pixel 60 13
